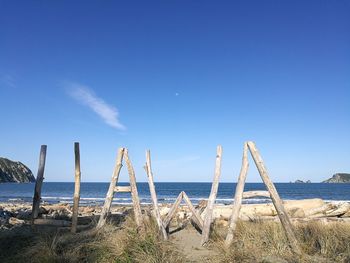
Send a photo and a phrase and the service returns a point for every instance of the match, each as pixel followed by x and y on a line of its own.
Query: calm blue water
pixel 92 193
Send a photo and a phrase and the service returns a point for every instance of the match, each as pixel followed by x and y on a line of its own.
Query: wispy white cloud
pixel 7 81
pixel 87 97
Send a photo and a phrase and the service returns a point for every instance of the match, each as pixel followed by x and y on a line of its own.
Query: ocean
pixel 94 193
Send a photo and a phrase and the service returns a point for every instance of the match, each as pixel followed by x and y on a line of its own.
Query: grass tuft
pixel 261 241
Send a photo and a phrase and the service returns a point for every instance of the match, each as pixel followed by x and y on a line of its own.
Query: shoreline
pixel 162 201
pixel 19 213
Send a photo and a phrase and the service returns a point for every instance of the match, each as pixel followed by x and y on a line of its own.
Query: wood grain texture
pixel 212 197
pixel 110 193
pixel 251 194
pixel 39 182
pixel 76 188
pixel 238 196
pixel 172 210
pixel 122 189
pixel 195 215
pixel 152 190
pixel 134 192
pixel 276 200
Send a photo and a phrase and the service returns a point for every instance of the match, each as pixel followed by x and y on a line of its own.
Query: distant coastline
pixel 339 178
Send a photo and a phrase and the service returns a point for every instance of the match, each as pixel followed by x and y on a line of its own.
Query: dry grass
pixel 254 242
pixel 110 244
pixel 266 242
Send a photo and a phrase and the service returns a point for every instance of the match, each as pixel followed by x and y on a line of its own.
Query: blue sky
pixel 177 77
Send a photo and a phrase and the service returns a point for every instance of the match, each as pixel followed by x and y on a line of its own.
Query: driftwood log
pixel 238 196
pixel 134 192
pixel 38 183
pixel 195 215
pixel 282 214
pixel 251 194
pixel 173 210
pixel 212 197
pixel 110 193
pixel 339 211
pixel 76 188
pixel 152 189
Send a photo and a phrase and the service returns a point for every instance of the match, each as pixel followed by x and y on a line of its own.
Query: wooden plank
pixel 110 193
pixel 238 196
pixel 276 200
pixel 250 194
pixel 172 210
pixel 39 182
pixel 76 188
pixel 122 189
pixel 196 216
pixel 52 222
pixel 134 192
pixel 152 190
pixel 212 197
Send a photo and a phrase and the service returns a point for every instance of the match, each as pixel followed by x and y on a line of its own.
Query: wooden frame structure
pixel 204 225
pixel 163 225
pixel 114 188
pixel 37 192
pixel 273 194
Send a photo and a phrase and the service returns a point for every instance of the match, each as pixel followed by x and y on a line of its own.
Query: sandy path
pixel 188 241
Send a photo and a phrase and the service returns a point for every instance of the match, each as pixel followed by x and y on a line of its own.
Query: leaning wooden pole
pixel 282 214
pixel 212 197
pixel 39 182
pixel 112 185
pixel 134 192
pixel 152 190
pixel 172 211
pixel 238 196
pixel 76 188
pixel 195 215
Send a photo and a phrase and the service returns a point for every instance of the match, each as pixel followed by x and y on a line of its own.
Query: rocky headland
pixel 14 172
pixel 339 178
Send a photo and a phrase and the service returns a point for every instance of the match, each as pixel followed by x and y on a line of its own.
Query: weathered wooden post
pixel 152 190
pixel 39 182
pixel 111 189
pixel 238 196
pixel 76 188
pixel 212 197
pixel 134 192
pixel 172 211
pixel 196 216
pixel 282 214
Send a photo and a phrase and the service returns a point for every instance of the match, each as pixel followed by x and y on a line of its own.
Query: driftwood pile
pixel 61 214
pixel 298 210
pixel 16 214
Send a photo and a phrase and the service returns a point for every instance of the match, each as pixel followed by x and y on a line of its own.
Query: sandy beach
pixel 17 213
pixel 184 243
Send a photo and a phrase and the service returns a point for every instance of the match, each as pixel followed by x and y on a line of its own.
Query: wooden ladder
pixel 114 188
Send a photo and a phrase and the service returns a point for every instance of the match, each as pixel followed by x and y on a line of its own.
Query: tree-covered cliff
pixel 14 172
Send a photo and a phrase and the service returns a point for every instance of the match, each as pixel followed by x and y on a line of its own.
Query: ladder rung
pixel 122 189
